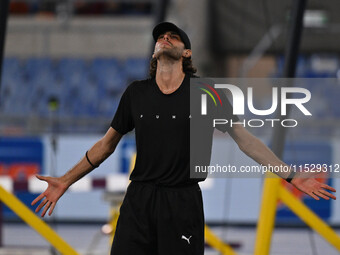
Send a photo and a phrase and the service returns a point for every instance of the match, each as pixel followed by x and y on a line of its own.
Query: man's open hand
pixel 56 188
pixel 313 188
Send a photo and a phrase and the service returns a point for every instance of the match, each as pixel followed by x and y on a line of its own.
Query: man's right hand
pixel 56 188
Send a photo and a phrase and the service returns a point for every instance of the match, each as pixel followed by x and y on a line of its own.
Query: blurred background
pixel 66 64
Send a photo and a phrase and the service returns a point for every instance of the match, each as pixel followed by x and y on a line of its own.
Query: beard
pixel 174 53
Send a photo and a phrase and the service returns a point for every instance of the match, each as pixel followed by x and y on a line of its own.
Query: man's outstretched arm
pixel 57 186
pixel 257 150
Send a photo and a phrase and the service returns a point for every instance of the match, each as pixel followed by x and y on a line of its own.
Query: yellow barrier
pixel 266 220
pixel 216 243
pixel 35 222
pixel 273 191
pixel 310 218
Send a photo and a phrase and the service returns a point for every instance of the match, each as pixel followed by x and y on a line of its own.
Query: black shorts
pixel 158 220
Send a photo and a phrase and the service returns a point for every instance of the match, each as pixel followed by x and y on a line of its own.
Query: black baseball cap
pixel 164 27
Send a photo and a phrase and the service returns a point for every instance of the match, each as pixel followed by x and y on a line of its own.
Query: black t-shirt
pixel 162 128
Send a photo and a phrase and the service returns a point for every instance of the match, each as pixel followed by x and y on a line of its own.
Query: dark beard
pixel 173 54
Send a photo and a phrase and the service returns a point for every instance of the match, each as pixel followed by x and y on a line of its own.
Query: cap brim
pixel 163 27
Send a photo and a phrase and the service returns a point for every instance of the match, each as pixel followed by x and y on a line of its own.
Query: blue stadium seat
pixel 65 64
pixel 72 70
pixel 104 66
pixel 11 66
pixel 137 68
pixel 109 75
pixel 83 88
pixel 35 66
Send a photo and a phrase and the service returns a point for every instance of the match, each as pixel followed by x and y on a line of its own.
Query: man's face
pixel 169 44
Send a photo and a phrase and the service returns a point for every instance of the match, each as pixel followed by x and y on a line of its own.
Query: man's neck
pixel 169 75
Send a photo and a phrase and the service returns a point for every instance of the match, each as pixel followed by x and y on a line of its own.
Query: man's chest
pixel 163 113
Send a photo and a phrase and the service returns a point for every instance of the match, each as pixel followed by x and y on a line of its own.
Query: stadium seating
pixel 83 87
pixel 92 88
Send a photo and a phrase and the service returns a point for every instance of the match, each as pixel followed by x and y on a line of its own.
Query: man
pixel 162 212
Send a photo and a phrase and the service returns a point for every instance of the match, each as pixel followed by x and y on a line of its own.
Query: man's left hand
pixel 313 188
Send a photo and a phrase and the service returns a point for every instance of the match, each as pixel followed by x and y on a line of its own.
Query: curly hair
pixel 188 67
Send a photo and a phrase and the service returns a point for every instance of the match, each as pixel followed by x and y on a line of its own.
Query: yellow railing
pixel 216 243
pixel 35 222
pixel 273 191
